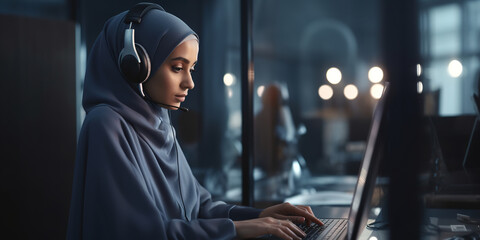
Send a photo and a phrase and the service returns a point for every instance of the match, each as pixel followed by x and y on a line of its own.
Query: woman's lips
pixel 181 97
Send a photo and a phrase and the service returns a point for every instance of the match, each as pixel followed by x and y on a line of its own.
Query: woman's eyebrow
pixel 181 59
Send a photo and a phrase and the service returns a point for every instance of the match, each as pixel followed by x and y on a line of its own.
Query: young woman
pixel 132 180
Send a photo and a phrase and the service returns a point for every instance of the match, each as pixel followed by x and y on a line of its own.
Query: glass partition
pixel 210 133
pixel 317 79
pixel 449 73
pixel 449 78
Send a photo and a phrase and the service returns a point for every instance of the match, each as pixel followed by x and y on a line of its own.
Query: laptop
pixel 471 161
pixel 350 228
pixel 456 140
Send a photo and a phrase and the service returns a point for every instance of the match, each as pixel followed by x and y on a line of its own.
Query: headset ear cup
pixel 132 70
pixel 144 70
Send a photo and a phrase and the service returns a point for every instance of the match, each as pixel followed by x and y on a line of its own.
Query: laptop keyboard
pixel 331 229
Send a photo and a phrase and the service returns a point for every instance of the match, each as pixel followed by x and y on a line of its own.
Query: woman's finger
pixel 279 233
pixel 295 219
pixel 308 216
pixel 296 229
pixel 282 232
pixel 309 210
pixel 290 232
pixel 286 229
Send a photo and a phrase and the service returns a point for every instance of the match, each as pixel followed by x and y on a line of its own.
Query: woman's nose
pixel 188 82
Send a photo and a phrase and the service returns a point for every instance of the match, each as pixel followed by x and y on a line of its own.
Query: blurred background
pixel 319 73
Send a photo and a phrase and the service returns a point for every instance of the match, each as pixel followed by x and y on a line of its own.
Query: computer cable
pixel 378 225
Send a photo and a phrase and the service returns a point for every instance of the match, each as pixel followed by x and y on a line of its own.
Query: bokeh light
pixel 334 75
pixel 375 74
pixel 419 87
pixel 350 91
pixel 325 92
pixel 228 79
pixel 260 90
pixel 455 68
pixel 376 91
pixel 419 70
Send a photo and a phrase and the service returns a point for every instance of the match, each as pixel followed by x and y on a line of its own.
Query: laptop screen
pixel 368 172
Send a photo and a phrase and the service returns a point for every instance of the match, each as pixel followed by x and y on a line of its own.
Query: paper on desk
pixel 322 198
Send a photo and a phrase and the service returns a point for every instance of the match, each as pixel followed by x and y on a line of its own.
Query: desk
pixel 444 218
pixel 331 211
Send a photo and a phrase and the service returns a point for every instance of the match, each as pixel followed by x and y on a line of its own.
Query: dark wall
pixel 38 129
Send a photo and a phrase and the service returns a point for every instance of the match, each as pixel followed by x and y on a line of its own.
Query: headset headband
pixel 136 13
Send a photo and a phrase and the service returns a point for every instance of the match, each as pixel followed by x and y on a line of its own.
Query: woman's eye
pixel 177 69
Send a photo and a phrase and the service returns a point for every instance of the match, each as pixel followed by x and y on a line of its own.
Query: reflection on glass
pixel 279 166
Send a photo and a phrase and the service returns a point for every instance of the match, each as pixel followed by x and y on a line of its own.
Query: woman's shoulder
pixel 103 116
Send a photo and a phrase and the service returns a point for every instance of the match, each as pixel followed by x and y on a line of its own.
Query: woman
pixel 132 180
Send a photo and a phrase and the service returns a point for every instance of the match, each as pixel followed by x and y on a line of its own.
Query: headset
pixel 133 60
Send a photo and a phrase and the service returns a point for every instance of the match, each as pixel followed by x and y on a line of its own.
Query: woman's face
pixel 173 79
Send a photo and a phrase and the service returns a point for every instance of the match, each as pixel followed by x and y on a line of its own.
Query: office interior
pixel 317 69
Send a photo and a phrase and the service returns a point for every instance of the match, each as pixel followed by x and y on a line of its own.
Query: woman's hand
pixel 257 227
pixel 286 211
